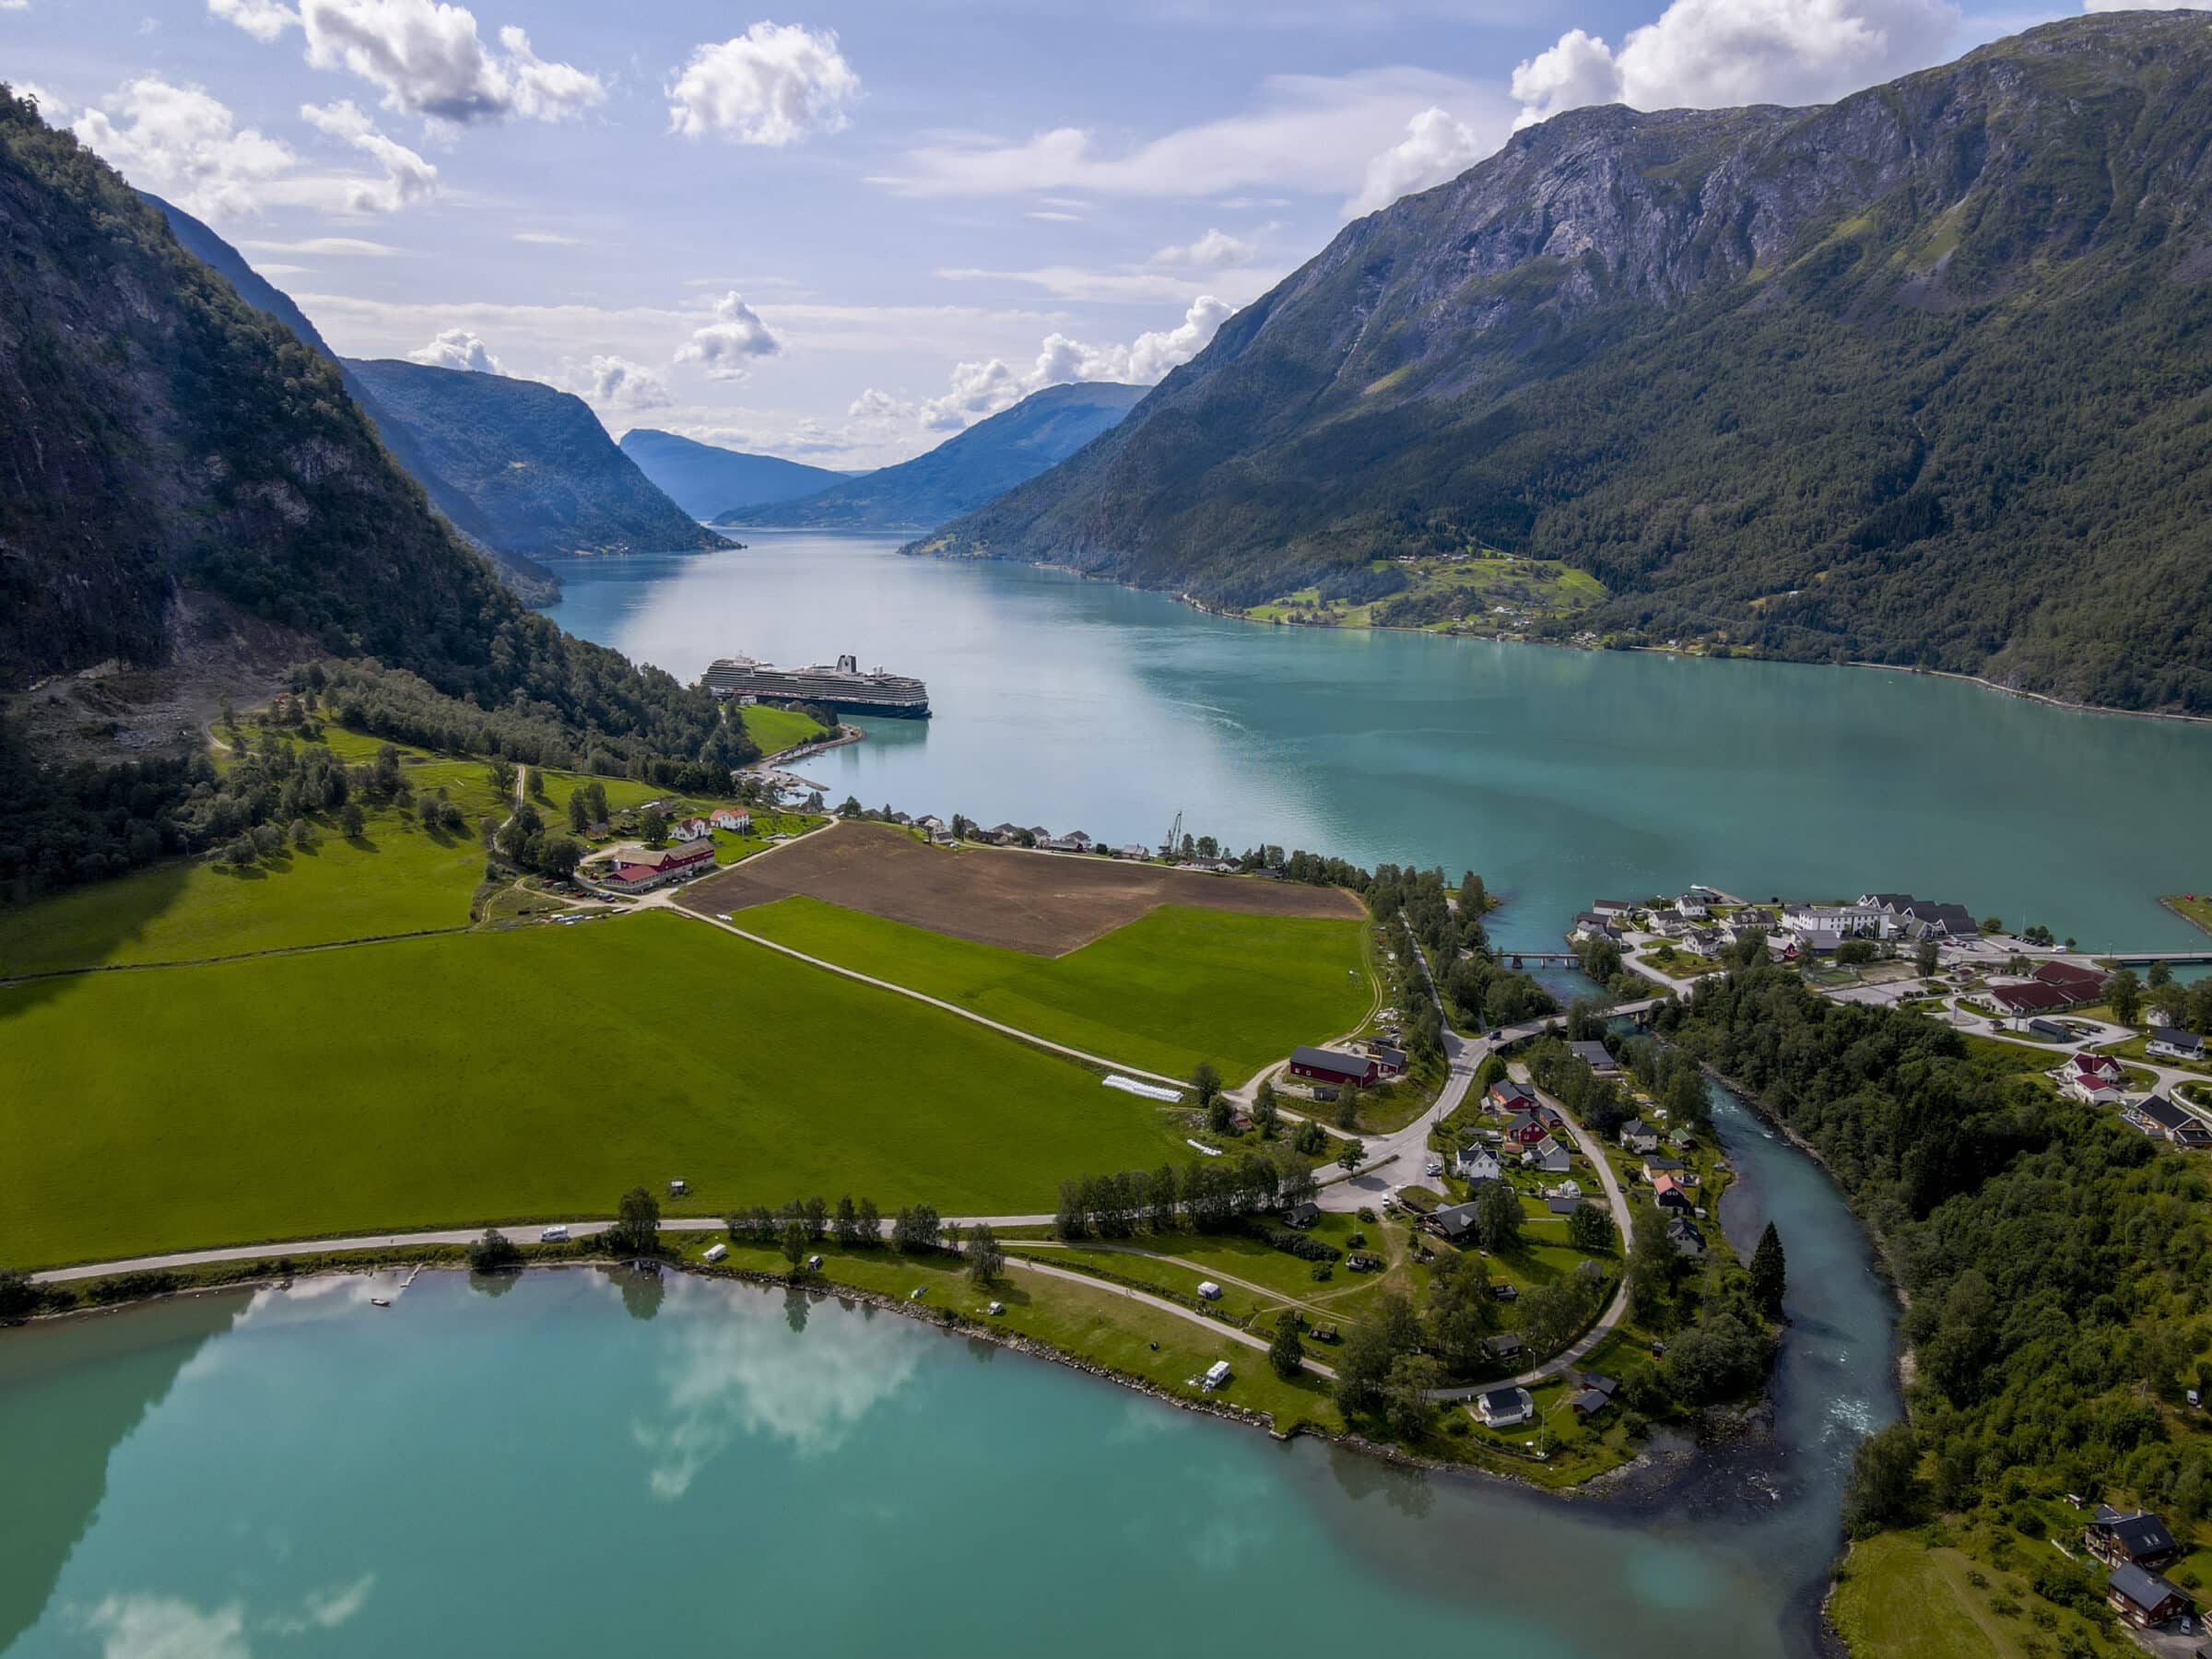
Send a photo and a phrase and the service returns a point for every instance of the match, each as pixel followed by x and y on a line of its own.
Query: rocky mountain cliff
pixel 967 469
pixel 1919 376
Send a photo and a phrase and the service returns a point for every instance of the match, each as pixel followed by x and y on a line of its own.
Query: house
pixel 1303 1214
pixel 2143 1599
pixel 729 817
pixel 1505 1344
pixel 2176 1044
pixel 1525 1129
pixel 2160 1115
pixel 1550 1155
pixel 637 872
pixel 1504 1408
pixel 2093 1065
pixel 1682 1140
pixel 2031 997
pixel 1132 851
pixel 1003 835
pixel 1389 1062
pixel 1905 916
pixel 932 823
pixel 1683 1234
pixel 1639 1137
pixel 2091 1090
pixel 2129 1539
pixel 1668 1193
pixel 1590 927
pixel 1477 1164
pixel 1595 1395
pixel 1654 1167
pixel 1078 842
pixel 1595 1055
pixel 1506 1097
pixel 2051 1030
pixel 1327 1066
pixel 1563 1206
pixel 1454 1222
pixel 2085 985
pixel 691 830
pixel 1692 906
pixel 1607 910
pixel 1847 921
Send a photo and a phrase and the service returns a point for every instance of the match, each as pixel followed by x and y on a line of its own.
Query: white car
pixel 554 1235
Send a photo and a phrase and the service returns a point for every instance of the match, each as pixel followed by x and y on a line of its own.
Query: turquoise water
pixel 1561 776
pixel 579 1465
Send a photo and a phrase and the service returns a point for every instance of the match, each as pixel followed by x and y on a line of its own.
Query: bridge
pixel 1515 958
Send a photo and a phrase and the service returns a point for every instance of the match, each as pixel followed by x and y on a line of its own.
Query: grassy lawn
pixel 776 730
pixel 533 1073
pixel 1173 988
pixel 1441 591
pixel 1898 1599
pixel 2139 1050
pixel 2196 907
pixel 1096 1324
pixel 397 877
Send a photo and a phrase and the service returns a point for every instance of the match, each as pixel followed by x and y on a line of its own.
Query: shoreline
pixel 2046 699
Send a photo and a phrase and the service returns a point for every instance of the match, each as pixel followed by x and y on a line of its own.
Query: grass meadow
pixel 512 1076
pixel 1174 987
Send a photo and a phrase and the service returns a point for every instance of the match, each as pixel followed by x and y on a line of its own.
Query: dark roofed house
pixel 2051 1029
pixel 1303 1214
pixel 2180 1127
pixel 1595 1055
pixel 2034 997
pixel 2175 1043
pixel 1639 1137
pixel 2085 983
pixel 1389 1061
pixel 1506 1097
pixel 1953 918
pixel 1504 1407
pixel 2129 1537
pixel 1506 1345
pixel 1563 1207
pixel 1684 1235
pixel 1525 1129
pixel 1454 1222
pixel 1326 1065
pixel 2143 1599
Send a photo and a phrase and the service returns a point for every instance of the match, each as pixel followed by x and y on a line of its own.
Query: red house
pixel 636 872
pixel 1328 1066
pixel 2083 984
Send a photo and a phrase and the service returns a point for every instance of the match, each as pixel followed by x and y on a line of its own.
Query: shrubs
pixel 493 1253
pixel 1301 1245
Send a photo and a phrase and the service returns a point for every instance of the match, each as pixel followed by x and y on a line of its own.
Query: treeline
pixel 914 1228
pixel 1480 992
pixel 1207 1195
pixel 2057 1264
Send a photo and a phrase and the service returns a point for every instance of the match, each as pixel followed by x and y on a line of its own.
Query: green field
pixel 1440 592
pixel 1163 993
pixel 1896 1599
pixel 776 730
pixel 539 1072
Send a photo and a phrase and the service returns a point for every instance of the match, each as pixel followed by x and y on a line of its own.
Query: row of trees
pixel 1207 1195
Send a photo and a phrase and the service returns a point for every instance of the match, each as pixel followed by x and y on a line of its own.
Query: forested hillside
pixel 1920 376
pixel 204 453
pixel 705 479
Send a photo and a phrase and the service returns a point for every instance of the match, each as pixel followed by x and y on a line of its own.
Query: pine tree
pixel 1769 1273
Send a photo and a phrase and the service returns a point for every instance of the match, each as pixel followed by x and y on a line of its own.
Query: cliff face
pixel 1916 375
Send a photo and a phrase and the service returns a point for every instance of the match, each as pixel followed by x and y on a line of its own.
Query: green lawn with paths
pixel 517 1075
pixel 1173 987
pixel 776 730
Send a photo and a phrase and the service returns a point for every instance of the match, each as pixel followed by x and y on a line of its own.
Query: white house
pixel 729 817
pixel 1504 1408
pixel 1476 1163
pixel 691 830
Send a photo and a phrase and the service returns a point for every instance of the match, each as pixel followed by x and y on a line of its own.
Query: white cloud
pixel 264 19
pixel 426 57
pixel 183 143
pixel 347 246
pixel 724 346
pixel 1705 53
pixel 982 389
pixel 1437 146
pixel 872 405
pixel 1210 251
pixel 161 1627
pixel 615 382
pixel 325 1609
pixel 180 143
pixel 773 85
pixel 549 239
pixel 1308 133
pixel 1055 216
pixel 458 349
pixel 408 177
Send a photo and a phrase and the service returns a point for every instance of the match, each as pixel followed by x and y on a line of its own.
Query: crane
pixel 1167 848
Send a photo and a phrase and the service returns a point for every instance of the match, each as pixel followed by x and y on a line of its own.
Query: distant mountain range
pixel 705 479
pixel 519 469
pixel 963 472
pixel 1918 376
pixel 536 462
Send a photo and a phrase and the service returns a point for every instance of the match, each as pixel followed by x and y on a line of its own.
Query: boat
pixel 844 689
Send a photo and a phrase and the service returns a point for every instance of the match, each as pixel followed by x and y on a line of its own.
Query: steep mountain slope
pixel 967 469
pixel 1919 376
pixel 168 454
pixel 533 580
pixel 536 462
pixel 704 479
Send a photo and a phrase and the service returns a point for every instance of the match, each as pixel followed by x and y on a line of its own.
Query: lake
pixel 574 1463
pixel 1561 776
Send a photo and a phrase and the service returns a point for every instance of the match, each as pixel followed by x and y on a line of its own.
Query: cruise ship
pixel 844 688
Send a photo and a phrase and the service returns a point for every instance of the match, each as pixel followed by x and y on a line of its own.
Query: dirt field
pixel 1043 903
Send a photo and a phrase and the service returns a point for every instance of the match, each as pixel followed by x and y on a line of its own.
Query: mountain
pixel 536 462
pixel 704 479
pixel 187 489
pixel 967 469
pixel 1919 376
pixel 533 580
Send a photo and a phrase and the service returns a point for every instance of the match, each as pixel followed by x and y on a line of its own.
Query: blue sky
pixel 839 234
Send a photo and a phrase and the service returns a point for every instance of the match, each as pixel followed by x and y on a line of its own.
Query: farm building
pixel 1327 1066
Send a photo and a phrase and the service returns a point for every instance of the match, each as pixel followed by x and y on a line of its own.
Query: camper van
pixel 1217 1375
pixel 554 1235
pixel 716 1251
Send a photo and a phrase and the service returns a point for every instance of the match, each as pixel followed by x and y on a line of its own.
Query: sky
pixel 841 233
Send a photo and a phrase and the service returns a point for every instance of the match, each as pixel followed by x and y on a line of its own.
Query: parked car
pixel 554 1235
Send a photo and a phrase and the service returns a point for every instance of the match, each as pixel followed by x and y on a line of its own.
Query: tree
pixel 1286 1353
pixel 1347 1104
pixel 1553 1316
pixel 916 1230
pixel 1721 1354
pixel 2125 993
pixel 1309 1139
pixel 493 1253
pixel 1205 1082
pixel 794 1244
pixel 352 819
pixel 1769 1273
pixel 1351 1155
pixel 558 856
pixel 580 814
pixel 637 1229
pixel 1884 1486
pixel 502 776
pixel 1498 1216
pixel 304 833
pixel 1405 1404
pixel 429 809
pixel 1219 1114
pixel 871 1222
pixel 1474 898
pixel 1264 1112
pixel 1654 1266
pixel 1686 1102
pixel 2161 973
pixel 1589 1228
pixel 1373 1346
pixel 652 823
pixel 846 1225
pixel 1462 1312
pixel 1927 959
pixel 986 1255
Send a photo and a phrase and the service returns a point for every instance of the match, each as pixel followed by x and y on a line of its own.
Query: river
pixel 570 1461
pixel 1561 776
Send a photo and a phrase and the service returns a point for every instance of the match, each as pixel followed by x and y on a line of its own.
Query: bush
pixel 1301 1245
pixel 493 1253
